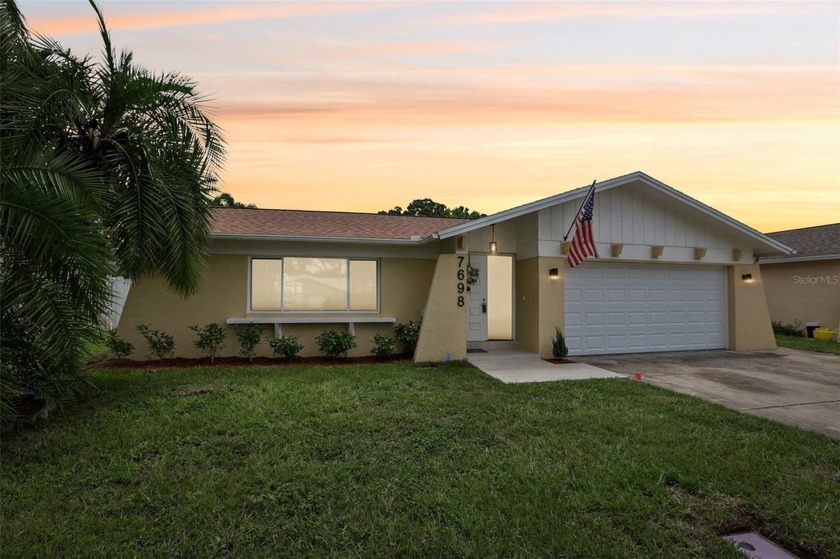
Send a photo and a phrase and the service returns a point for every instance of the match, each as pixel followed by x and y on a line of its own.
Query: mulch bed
pixel 227 362
pixel 560 361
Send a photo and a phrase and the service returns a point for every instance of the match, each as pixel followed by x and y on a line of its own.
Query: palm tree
pixel 106 169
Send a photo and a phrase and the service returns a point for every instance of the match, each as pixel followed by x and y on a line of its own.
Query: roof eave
pixel 794 258
pixel 314 239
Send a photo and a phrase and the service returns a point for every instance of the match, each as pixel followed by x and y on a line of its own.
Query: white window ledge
pixel 278 322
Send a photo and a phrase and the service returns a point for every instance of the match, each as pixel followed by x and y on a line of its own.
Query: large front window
pixel 313 284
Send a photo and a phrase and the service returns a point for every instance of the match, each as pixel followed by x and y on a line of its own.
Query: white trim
pixel 350 321
pixel 785 259
pixel 250 310
pixel 606 185
pixel 311 239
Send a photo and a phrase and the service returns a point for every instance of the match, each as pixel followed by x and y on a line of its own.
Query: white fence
pixel 119 292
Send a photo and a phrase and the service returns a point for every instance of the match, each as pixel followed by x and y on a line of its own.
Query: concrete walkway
pixel 516 365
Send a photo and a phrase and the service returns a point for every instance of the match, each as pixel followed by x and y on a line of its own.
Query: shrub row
pixel 210 340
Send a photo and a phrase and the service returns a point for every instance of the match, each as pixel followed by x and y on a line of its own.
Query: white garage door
pixel 633 308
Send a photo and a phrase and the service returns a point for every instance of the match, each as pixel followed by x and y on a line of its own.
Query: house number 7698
pixel 461 277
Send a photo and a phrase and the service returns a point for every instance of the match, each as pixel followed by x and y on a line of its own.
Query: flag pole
pixel 566 236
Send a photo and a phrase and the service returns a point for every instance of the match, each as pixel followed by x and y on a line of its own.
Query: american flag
pixel 583 244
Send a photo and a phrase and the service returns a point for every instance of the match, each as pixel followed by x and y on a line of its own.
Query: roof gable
pixel 763 242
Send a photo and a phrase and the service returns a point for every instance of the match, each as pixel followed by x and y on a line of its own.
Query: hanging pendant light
pixel 494 246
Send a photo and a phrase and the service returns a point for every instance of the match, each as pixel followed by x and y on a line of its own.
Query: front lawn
pixel 808 344
pixel 394 460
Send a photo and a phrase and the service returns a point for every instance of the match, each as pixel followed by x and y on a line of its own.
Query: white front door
pixel 477 301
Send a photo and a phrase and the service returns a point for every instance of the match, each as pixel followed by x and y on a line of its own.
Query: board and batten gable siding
pixel 639 217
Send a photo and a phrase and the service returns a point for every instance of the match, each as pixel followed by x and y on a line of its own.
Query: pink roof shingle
pixel 301 223
pixel 811 241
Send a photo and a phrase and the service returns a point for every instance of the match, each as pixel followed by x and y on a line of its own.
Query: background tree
pixel 106 170
pixel 225 200
pixel 427 207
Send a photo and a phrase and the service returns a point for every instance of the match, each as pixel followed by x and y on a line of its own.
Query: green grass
pixel 808 344
pixel 395 460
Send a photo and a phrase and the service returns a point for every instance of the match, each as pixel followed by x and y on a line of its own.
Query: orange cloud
pixel 521 12
pixel 594 94
pixel 203 14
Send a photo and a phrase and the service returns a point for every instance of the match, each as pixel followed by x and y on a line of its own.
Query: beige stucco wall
pixel 749 318
pixel 539 303
pixel 444 329
pixel 803 292
pixel 552 301
pixel 404 287
pixel 222 294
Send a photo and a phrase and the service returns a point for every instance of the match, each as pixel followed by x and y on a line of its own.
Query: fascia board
pixel 787 259
pixel 305 239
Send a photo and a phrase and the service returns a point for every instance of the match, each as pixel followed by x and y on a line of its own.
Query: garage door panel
pixel 616 342
pixel 657 317
pixel 616 318
pixel 593 319
pixel 574 344
pixel 636 295
pixel 657 295
pixel 637 342
pixel 638 308
pixel 616 295
pixel 572 320
pixel 594 343
pixel 697 317
pixel 594 296
pixel 637 317
pixel 697 295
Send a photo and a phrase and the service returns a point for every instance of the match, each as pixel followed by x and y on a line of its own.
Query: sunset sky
pixel 363 106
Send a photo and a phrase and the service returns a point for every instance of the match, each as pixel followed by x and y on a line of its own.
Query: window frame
pixel 347 259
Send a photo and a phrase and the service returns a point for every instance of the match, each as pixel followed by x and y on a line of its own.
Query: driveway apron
pixel 795 387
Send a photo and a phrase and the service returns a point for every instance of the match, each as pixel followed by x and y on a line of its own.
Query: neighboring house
pixel 805 286
pixel 674 274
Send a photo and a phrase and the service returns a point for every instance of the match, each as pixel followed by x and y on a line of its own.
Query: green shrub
pixel 407 334
pixel 287 346
pixel 249 336
pixel 795 329
pixel 383 346
pixel 210 339
pixel 160 343
pixel 558 345
pixel 335 344
pixel 117 345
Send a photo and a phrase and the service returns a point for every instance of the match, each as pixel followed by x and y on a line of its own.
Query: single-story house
pixel 805 286
pixel 673 274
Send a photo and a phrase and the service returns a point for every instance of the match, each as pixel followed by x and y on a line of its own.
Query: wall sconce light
pixel 746 278
pixel 553 273
pixel 494 246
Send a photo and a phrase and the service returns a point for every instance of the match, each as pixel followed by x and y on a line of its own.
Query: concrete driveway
pixel 795 387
